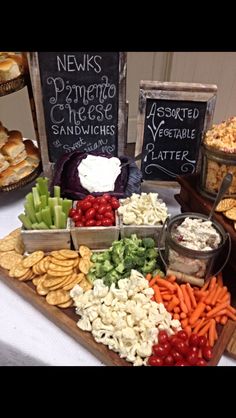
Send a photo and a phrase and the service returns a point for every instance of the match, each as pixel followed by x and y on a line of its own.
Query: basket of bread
pixel 19 160
pixel 11 72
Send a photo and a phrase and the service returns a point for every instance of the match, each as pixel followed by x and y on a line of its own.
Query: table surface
pixel 27 337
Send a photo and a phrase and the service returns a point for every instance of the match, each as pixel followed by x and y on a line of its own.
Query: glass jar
pixel 215 164
pixel 200 264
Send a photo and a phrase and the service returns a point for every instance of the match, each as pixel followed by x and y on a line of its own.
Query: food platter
pixel 13 85
pixel 66 320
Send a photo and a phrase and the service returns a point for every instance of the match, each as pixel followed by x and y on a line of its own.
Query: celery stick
pixel 36 198
pixel 60 200
pixel 66 206
pixel 42 183
pixel 29 211
pixel 46 215
pixel 43 199
pixel 62 220
pixel 35 225
pixel 25 221
pixel 29 198
pixel 52 201
pixel 57 191
pixel 53 227
pixel 57 216
pixel 39 216
pixel 42 225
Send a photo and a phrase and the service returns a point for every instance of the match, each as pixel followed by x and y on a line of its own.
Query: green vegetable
pixel 148 242
pixel 43 211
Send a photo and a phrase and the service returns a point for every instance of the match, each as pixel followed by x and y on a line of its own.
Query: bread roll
pixel 15 173
pixel 20 157
pixel 3 163
pixel 33 154
pixel 12 148
pixel 15 136
pixel 3 135
pixel 9 69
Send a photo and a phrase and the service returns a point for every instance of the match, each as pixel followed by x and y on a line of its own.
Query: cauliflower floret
pixel 120 294
pixel 108 299
pixel 76 291
pixel 84 324
pixel 99 288
pixel 123 284
pixel 128 334
pixel 139 361
pixel 144 349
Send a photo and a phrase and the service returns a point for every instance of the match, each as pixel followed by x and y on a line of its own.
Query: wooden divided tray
pixel 66 319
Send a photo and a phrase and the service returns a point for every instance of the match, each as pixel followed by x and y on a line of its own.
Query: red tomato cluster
pixel 95 211
pixel 180 350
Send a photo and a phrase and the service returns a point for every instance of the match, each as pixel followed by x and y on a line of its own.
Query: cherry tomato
pixel 107 196
pixel 90 213
pixel 98 217
pixel 167 347
pixel 109 215
pixel 90 198
pixel 79 204
pixel 109 208
pixel 102 209
pixel 98 223
pixel 77 217
pixel 169 360
pixel 163 337
pixel 103 201
pixel 114 203
pixel 192 357
pixel 207 352
pixel 176 355
pixel 79 224
pixel 86 205
pixel 83 219
pixel 182 347
pixel 173 339
pixel 107 222
pixel 202 341
pixel 72 212
pixel 182 363
pixel 195 349
pixel 182 335
pixel 90 222
pixel 193 340
pixel 158 350
pixel 96 206
pixel 201 362
pixel 155 361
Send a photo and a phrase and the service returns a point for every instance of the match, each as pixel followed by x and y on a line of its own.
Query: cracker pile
pixel 228 208
pixel 53 274
pixel 222 136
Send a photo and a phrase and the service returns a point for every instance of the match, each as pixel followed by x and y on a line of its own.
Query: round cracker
pixel 84 265
pixel 19 271
pixel 231 214
pixel 15 233
pixel 54 282
pixel 56 267
pixel 63 263
pixel 68 253
pixel 39 279
pixel 225 205
pixel 33 258
pixel 54 273
pixel 66 304
pixel 56 297
pixel 7 244
pixel 57 255
pixel 8 261
pixel 40 289
pixel 85 251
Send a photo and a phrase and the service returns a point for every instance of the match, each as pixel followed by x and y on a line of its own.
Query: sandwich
pixel 9 69
pixel 15 173
pixel 32 153
pixel 3 163
pixel 3 135
pixel 12 149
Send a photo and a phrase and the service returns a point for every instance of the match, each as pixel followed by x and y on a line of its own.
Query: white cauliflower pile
pixel 124 319
pixel 144 209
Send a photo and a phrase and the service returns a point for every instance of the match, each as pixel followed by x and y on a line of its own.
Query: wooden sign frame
pixel 37 90
pixel 173 91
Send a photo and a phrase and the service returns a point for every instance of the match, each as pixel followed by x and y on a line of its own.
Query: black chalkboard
pixel 80 92
pixel 172 136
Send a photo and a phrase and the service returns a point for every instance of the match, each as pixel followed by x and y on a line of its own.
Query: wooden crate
pixel 142 231
pixel 46 239
pixel 95 237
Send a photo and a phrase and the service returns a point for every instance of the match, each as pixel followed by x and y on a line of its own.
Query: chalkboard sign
pixel 172 120
pixel 80 102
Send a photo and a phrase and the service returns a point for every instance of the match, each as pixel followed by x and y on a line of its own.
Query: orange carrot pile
pixel 198 309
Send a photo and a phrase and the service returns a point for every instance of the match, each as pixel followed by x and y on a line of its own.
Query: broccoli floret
pixel 128 262
pixel 116 259
pixel 138 261
pixel 101 257
pixel 100 272
pixel 151 253
pixel 158 272
pixel 94 257
pixel 112 277
pixel 149 266
pixel 91 276
pixel 120 268
pixel 107 266
pixel 148 242
pixel 140 251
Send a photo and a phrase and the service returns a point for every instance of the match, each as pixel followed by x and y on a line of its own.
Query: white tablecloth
pixel 27 337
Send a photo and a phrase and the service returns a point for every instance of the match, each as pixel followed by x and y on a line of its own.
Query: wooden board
pixel 66 319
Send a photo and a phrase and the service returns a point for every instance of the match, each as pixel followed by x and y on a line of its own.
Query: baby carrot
pixel 183 306
pixel 177 310
pixel 165 283
pixel 204 329
pixel 224 319
pixel 231 309
pixel 191 295
pixel 188 330
pixel 211 295
pixel 223 292
pixel 197 312
pixel 184 322
pixel 186 297
pixel 173 303
pixel 230 315
pixel 199 324
pixel 148 276
pixel 183 315
pixel 211 332
pixel 176 316
pixel 166 296
pixel 157 294
pixel 215 297
pixel 220 279
pixel 171 278
pixel 212 283
pixel 217 309
pixel 152 281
